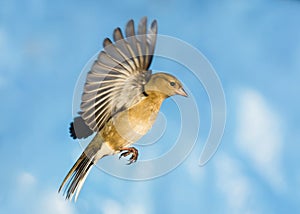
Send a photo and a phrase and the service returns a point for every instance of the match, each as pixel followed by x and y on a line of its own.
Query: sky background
pixel 254 47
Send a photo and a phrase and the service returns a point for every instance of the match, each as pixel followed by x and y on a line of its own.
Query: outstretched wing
pixel 117 78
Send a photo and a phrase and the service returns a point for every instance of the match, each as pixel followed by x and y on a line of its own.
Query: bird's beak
pixel 181 92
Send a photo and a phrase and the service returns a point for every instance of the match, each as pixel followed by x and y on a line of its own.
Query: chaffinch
pixel 121 100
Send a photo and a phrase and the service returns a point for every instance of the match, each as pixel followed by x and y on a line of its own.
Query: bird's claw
pixel 130 151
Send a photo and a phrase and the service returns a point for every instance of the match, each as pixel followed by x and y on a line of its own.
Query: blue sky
pixel 253 45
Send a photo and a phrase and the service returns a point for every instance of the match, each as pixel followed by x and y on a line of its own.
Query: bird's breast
pixel 130 125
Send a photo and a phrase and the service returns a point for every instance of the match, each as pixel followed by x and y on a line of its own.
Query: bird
pixel 120 101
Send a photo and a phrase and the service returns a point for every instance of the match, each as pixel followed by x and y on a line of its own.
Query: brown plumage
pixel 121 100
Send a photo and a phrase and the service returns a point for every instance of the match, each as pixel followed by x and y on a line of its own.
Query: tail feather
pixel 82 180
pixel 77 175
pixel 79 129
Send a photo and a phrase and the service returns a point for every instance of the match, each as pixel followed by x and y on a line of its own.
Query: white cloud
pixel 110 206
pixel 259 136
pixel 42 199
pixel 196 173
pixel 234 185
pixel 137 200
pixel 51 203
pixel 136 209
pixel 32 197
pixel 26 180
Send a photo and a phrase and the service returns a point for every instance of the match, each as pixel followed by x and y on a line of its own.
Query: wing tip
pixel 117 34
pixel 130 22
pixel 154 26
pixel 129 29
pixel 106 42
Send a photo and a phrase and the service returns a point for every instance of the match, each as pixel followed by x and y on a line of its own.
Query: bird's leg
pixel 130 151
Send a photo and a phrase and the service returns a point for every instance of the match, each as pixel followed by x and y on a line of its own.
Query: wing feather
pixel 117 78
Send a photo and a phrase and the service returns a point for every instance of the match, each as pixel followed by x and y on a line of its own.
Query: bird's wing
pixel 117 78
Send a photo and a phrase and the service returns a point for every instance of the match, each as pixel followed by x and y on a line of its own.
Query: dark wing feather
pixel 117 78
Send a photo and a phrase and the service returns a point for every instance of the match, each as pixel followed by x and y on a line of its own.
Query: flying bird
pixel 120 102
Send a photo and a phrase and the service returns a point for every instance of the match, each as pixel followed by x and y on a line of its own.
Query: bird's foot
pixel 130 151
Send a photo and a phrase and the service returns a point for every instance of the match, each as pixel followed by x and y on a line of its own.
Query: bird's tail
pixel 80 170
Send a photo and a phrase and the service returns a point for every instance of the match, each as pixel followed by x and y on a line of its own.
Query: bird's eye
pixel 172 83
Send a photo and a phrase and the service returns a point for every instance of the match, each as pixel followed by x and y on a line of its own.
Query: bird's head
pixel 165 84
